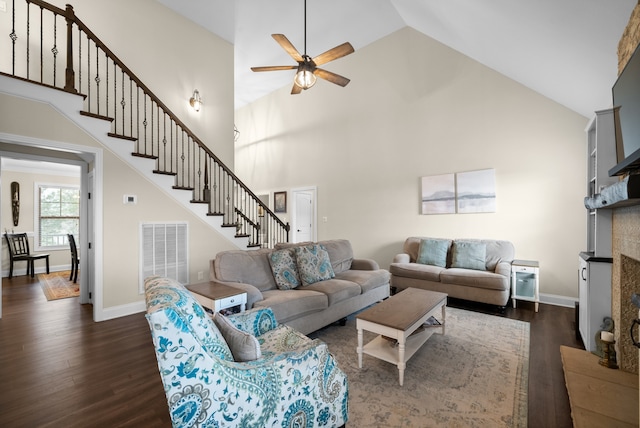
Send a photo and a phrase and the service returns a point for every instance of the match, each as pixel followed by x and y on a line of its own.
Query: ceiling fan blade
pixel 335 53
pixel 275 68
pixel 288 46
pixel 331 77
pixel 296 89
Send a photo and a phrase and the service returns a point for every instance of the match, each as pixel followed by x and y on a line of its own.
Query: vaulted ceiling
pixel 564 49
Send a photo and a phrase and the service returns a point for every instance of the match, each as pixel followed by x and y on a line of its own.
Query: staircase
pixel 104 97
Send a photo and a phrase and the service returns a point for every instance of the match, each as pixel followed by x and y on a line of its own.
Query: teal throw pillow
pixel 285 271
pixel 433 252
pixel 469 255
pixel 313 264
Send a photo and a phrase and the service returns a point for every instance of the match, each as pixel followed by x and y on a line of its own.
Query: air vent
pixel 164 251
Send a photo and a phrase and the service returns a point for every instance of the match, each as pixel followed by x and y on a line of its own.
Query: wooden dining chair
pixel 18 245
pixel 75 258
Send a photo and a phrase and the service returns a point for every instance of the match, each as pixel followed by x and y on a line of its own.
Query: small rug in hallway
pixel 474 376
pixel 56 285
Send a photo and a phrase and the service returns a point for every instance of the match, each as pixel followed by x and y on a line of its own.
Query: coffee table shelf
pixel 386 349
pixel 400 322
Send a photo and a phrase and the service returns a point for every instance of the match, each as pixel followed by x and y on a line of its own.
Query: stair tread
pixel 157 171
pixel 96 116
pixel 142 155
pixel 122 137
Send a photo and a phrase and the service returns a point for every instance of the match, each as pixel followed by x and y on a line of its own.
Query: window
pixel 58 214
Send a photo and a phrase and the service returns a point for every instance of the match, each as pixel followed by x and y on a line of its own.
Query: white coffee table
pixel 400 322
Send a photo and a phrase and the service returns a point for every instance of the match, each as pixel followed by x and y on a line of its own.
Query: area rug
pixel 56 285
pixel 474 376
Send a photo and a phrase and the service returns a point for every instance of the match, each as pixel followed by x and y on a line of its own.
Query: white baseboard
pixel 39 269
pixel 554 299
pixel 122 310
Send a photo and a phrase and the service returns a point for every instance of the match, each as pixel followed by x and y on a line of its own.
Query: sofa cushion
pixel 244 346
pixel 249 267
pixel 433 252
pixel 498 251
pixel 417 271
pixel 336 290
pixel 366 279
pixel 340 254
pixel 285 271
pixel 469 255
pixel 475 278
pixel 313 264
pixel 289 304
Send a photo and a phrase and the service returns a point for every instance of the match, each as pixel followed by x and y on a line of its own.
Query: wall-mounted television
pixel 626 96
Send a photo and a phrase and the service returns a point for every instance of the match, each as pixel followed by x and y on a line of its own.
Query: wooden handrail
pixel 226 193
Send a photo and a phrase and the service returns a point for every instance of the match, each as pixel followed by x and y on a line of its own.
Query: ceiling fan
pixel 307 66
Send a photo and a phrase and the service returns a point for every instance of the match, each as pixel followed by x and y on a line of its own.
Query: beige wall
pixel 121 222
pixel 414 108
pixel 27 218
pixel 172 57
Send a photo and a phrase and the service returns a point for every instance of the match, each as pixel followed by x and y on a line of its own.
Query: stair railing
pixel 113 92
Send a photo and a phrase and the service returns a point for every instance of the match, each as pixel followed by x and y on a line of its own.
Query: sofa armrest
pixel 364 264
pixel 256 321
pixel 503 268
pixel 402 258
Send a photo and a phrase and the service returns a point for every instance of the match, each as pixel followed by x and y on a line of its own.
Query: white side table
pixel 525 283
pixel 217 297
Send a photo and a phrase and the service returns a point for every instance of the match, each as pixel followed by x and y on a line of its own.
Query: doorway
pixel 90 163
pixel 304 214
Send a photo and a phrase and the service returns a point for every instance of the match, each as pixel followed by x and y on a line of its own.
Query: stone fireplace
pixel 626 239
pixel 625 281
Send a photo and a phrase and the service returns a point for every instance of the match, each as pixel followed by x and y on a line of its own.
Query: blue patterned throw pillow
pixel 285 271
pixel 313 264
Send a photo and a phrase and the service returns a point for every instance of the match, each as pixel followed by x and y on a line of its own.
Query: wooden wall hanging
pixel 15 202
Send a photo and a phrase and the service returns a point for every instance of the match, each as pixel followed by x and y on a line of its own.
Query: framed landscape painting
pixel 476 191
pixel 439 194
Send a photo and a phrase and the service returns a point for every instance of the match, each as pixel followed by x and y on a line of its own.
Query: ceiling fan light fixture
pixel 305 78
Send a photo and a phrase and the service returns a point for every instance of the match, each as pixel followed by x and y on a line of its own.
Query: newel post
pixel 70 77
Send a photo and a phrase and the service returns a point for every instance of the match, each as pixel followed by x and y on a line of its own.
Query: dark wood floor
pixel 60 369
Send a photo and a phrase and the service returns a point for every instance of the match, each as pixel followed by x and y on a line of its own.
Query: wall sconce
pixel 195 100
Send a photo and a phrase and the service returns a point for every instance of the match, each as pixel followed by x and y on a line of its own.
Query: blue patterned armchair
pixel 295 383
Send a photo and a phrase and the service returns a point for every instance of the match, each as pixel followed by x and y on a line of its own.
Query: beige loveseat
pixel 469 269
pixel 350 285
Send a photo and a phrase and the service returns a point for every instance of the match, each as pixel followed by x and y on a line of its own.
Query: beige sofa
pixel 445 268
pixel 356 284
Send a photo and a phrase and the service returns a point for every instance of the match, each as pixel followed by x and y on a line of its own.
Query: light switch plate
pixel 129 199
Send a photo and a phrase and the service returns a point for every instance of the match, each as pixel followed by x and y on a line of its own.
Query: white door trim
pixel 88 154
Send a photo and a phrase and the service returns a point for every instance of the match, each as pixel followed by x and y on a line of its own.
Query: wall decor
pixel 476 191
pixel 15 202
pixel 280 202
pixel 438 194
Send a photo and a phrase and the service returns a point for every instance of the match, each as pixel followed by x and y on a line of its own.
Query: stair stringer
pixel 70 105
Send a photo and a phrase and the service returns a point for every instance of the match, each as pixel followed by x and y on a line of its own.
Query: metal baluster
pixel 13 36
pixel 54 50
pixel 41 47
pixel 97 79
